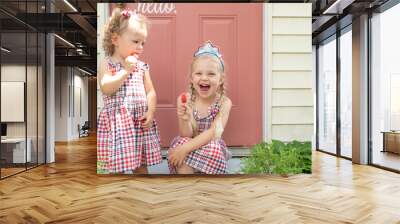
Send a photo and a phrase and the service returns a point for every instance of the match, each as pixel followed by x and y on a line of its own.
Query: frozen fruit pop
pixel 183 98
pixel 132 58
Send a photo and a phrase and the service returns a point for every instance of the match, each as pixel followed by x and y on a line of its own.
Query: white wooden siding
pixel 292 132
pixel 291 25
pixel 292 80
pixel 289 80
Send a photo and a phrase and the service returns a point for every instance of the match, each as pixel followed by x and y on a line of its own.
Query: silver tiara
pixel 210 49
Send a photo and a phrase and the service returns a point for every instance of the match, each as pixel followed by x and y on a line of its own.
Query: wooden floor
pixel 5 172
pixel 69 191
pixel 10 171
pixel 387 159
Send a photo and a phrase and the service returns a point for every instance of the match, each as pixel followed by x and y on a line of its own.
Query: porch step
pixel 237 152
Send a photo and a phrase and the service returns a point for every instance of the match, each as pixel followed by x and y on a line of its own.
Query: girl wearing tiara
pixel 202 113
pixel 127 135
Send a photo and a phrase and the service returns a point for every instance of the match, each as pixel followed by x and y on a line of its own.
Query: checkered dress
pixel 122 144
pixel 210 158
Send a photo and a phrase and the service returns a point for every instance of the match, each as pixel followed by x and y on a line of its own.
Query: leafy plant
pixel 278 157
pixel 100 168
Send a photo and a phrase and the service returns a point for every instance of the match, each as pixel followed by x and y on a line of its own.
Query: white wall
pixel 80 83
pixel 33 127
pixel 67 102
pixel 61 104
pixel 12 73
pixel 102 16
pixel 288 77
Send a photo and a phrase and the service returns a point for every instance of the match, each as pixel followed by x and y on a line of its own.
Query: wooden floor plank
pixel 70 191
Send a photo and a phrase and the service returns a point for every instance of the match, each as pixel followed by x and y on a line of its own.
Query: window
pixel 346 93
pixel 385 88
pixel 22 73
pixel 327 96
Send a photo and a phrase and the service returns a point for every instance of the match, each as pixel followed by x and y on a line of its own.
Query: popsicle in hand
pixel 132 60
pixel 183 98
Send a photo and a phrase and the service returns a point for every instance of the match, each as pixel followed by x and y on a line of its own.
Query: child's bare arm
pixel 212 133
pixel 184 118
pixel 150 93
pixel 108 82
pixel 151 100
pixel 178 156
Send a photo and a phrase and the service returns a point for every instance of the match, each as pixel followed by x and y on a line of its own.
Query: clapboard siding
pixel 291 25
pixel 292 97
pixel 291 106
pixel 292 132
pixel 291 61
pixel 291 43
pixel 290 115
pixel 291 10
pixel 292 80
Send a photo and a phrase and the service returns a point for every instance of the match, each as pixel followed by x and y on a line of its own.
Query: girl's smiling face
pixel 131 41
pixel 206 76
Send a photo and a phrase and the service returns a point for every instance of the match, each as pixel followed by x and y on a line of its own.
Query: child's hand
pixel 183 110
pixel 177 156
pixel 130 63
pixel 146 121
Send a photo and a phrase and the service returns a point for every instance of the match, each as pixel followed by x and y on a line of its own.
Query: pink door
pixel 177 30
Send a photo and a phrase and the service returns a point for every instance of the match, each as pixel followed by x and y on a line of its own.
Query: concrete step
pixel 237 152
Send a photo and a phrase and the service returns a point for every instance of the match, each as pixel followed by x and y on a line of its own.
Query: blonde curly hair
pixel 117 24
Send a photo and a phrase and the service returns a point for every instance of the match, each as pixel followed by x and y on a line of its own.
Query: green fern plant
pixel 278 157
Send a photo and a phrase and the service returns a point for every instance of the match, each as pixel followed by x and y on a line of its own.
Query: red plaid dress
pixel 210 158
pixel 122 144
